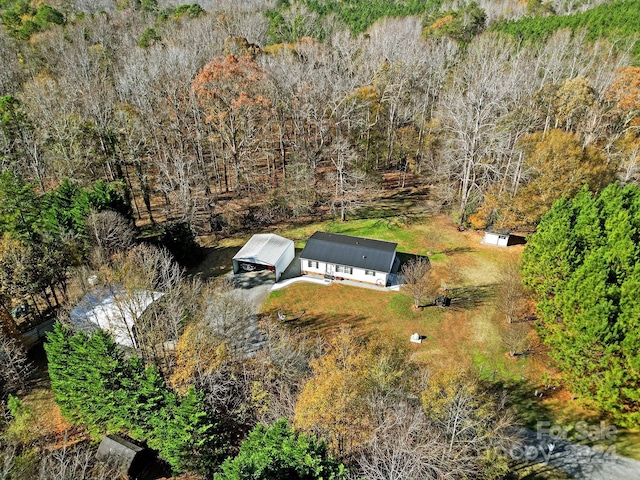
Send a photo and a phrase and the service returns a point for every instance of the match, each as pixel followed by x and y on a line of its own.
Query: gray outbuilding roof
pixel 350 251
pixel 113 308
pixel 263 248
pixel 119 454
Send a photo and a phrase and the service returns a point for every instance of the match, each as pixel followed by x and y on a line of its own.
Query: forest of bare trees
pixel 208 124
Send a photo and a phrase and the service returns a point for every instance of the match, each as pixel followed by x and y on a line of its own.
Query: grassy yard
pixel 467 334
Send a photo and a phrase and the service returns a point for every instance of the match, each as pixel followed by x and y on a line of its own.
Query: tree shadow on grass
pixel 524 397
pixel 404 258
pixel 216 261
pixel 322 324
pixel 457 250
pixel 530 414
pixel 467 298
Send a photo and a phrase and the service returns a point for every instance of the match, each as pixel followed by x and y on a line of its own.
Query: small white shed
pixel 499 238
pixel 265 251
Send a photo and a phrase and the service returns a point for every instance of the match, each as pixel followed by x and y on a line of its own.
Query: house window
pixel 343 269
pixel 312 264
pixel 370 272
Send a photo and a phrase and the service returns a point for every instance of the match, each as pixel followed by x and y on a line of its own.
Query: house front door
pixel 330 269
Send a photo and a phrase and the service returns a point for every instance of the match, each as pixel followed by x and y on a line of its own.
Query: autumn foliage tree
pixel 230 92
pixel 624 94
pixel 477 424
pixel 556 165
pixel 334 403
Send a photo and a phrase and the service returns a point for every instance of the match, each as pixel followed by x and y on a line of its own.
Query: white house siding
pixel 357 275
pixel 501 240
pixel 285 259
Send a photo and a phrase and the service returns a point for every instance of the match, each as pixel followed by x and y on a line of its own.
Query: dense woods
pixel 130 128
pixel 582 264
pixel 616 21
pixel 207 123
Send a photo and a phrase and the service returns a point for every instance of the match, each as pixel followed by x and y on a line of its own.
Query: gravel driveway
pixel 254 287
pixel 579 461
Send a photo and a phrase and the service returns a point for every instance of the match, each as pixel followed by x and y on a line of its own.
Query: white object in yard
pixel 415 338
pixel 265 251
pixel 499 238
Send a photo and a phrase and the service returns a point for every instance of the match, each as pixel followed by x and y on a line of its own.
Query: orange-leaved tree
pixel 624 94
pixel 557 165
pixel 354 377
pixel 230 91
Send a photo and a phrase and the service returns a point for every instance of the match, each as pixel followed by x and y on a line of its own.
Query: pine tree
pixel 95 385
pixel 185 434
pixel 583 265
pixel 143 394
pixel 63 381
pixel 277 453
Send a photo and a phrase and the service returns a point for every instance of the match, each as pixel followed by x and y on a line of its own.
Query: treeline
pixel 196 117
pixel 43 236
pixel 357 15
pixel 583 265
pixel 204 126
pixel 22 20
pixel 617 21
pixel 366 398
pixel 193 388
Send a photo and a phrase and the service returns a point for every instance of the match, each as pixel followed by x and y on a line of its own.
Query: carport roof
pixel 113 308
pixel 350 251
pixel 263 248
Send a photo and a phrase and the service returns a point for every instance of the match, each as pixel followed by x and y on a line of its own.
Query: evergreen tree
pixel 184 434
pixel 143 395
pixel 583 265
pixel 86 375
pixel 66 209
pixel 19 206
pixel 58 348
pixel 277 453
pixel 95 385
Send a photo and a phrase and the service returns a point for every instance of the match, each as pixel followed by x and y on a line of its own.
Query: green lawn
pixel 468 334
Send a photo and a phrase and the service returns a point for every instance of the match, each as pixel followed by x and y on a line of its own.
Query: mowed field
pixel 465 334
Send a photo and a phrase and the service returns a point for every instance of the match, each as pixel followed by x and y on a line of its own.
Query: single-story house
pixel 114 309
pixel 265 251
pixel 350 258
pixel 498 237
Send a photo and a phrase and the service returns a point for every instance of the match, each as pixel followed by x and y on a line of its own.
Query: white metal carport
pixel 265 251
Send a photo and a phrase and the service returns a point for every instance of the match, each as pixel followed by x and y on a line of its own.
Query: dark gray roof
pixel 351 251
pixel 118 453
